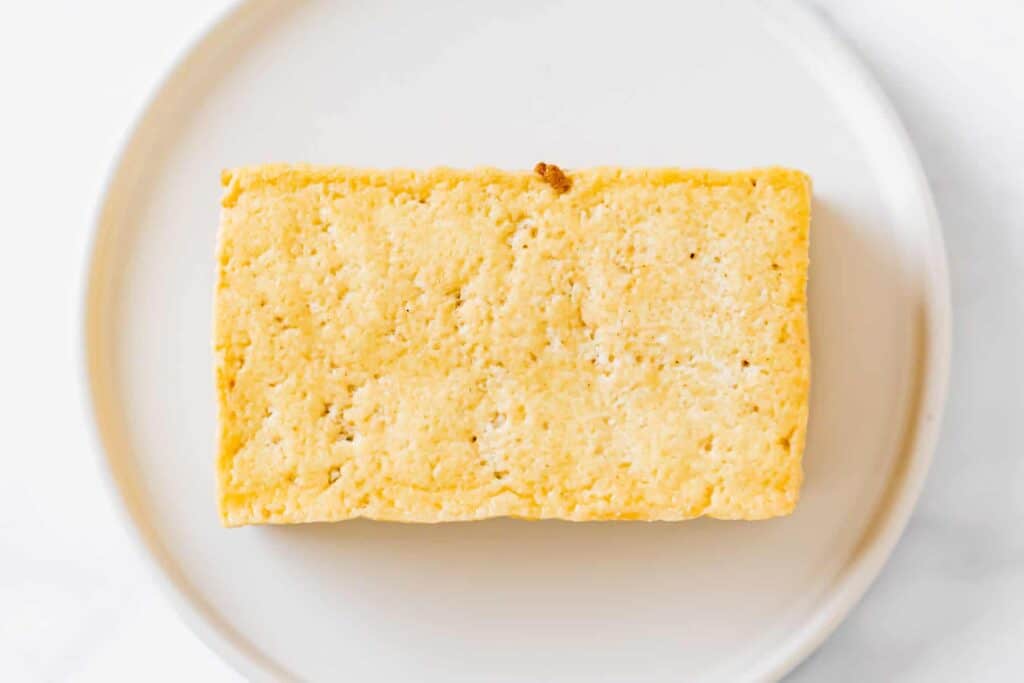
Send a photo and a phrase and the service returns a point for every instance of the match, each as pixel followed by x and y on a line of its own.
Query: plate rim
pixel 884 528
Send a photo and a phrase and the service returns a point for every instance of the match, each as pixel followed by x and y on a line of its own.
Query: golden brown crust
pixel 443 345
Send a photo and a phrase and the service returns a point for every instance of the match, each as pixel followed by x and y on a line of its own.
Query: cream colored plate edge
pixel 110 352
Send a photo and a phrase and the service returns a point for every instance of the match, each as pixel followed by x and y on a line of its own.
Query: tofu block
pixel 441 345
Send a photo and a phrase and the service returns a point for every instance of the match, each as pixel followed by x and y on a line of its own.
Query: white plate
pixel 728 85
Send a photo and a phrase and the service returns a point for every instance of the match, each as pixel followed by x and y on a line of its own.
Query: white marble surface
pixel 75 602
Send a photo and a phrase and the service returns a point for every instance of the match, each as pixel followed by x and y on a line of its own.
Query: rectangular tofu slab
pixel 440 345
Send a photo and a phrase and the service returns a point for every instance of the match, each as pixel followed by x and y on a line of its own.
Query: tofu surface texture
pixel 441 345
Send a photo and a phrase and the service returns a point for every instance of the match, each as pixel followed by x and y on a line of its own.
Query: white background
pixel 76 603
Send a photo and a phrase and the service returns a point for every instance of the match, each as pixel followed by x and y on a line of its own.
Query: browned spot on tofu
pixel 553 176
